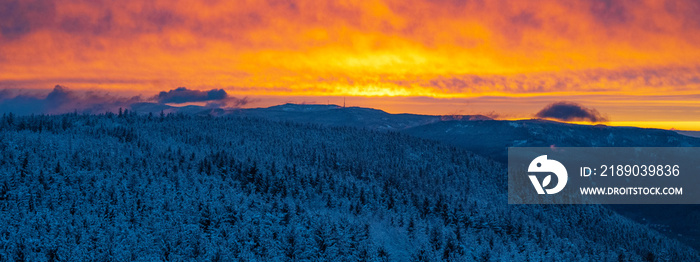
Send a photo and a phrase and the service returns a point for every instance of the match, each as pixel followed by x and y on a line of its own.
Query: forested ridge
pixel 128 187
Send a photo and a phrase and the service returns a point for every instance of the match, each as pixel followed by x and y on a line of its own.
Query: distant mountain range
pixel 477 133
pixel 492 137
pixel 689 133
pixel 332 115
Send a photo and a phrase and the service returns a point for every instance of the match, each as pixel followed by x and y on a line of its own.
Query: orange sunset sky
pixel 636 62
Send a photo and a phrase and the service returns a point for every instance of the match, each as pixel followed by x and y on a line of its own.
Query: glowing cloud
pixel 392 48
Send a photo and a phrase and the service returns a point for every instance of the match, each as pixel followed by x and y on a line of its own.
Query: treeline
pixel 181 187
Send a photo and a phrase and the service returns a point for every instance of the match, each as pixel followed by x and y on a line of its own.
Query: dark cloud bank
pixel 214 97
pixel 184 95
pixel 569 111
pixel 63 100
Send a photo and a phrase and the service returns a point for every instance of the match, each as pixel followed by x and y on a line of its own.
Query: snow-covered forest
pixel 127 187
